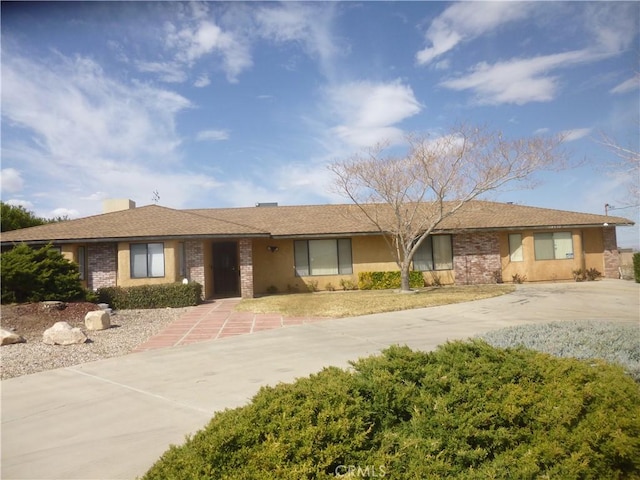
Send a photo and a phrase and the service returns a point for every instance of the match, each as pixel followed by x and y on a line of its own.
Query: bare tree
pixel 407 196
pixel 627 164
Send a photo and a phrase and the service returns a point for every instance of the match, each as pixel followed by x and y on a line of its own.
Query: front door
pixel 226 272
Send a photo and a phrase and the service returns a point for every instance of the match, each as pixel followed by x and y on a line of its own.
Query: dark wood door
pixel 226 271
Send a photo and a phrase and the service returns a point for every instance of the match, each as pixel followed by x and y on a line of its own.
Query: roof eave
pixel 134 239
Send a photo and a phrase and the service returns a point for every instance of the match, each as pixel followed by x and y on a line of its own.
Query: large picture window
pixel 323 257
pixel 147 260
pixel 435 253
pixel 553 246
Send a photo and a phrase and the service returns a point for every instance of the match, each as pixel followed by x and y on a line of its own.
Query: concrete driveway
pixel 112 419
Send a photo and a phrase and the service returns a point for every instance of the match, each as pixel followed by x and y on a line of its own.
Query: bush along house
pixel 269 248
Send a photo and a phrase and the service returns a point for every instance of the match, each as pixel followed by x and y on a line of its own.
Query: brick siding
pixel 246 268
pixel 102 262
pixel 194 262
pixel 611 254
pixel 476 256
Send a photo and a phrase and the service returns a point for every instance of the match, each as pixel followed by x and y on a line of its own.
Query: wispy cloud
pixel 575 134
pixel 191 41
pixel 307 24
pixel 627 86
pixel 368 112
pixel 517 81
pixel 87 132
pixel 465 21
pixel 11 179
pixel 213 135
pixel 609 29
pixel 202 81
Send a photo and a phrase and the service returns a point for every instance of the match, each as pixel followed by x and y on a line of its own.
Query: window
pixel 435 253
pixel 553 246
pixel 515 247
pixel 323 257
pixel 182 264
pixel 147 260
pixel 82 262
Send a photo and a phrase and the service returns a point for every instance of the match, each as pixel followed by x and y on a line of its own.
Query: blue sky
pixel 228 104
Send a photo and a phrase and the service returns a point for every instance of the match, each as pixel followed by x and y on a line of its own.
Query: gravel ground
pixel 586 339
pixel 129 328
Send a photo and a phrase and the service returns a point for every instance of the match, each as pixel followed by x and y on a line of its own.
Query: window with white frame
pixel 515 247
pixel 435 253
pixel 147 260
pixel 553 246
pixel 323 257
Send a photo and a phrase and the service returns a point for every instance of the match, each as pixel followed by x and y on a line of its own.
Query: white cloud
pixel 202 81
pixel 575 134
pixel 27 205
pixel 465 21
pixel 88 133
pixel 170 72
pixel 214 135
pixel 11 180
pixel 518 81
pixel 369 111
pixel 307 24
pixel 627 86
pixel 611 26
pixel 192 41
pixel 64 213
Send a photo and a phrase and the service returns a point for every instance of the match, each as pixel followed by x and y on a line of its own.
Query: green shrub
pixel 467 410
pixel 636 266
pixel 152 296
pixel 387 280
pixel 30 275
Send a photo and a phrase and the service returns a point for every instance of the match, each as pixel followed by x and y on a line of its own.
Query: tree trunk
pixel 404 277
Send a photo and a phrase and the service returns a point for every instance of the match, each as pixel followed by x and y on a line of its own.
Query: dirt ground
pixel 30 320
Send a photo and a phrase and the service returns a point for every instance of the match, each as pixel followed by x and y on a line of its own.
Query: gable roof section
pixel 309 220
pixel 156 222
pixel 151 221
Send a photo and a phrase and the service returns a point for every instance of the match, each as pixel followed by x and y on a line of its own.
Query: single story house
pixel 268 248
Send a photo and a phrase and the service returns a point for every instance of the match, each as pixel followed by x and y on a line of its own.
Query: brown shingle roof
pixel 151 221
pixel 348 219
pixel 287 221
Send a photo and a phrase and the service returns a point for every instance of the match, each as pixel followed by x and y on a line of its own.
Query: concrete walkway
pixel 112 419
pixel 215 320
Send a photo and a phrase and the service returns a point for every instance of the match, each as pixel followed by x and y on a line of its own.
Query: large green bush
pixel 34 275
pixel 636 267
pixel 467 410
pixel 387 280
pixel 152 296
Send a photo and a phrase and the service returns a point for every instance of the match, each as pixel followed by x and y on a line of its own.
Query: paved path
pixel 113 418
pixel 214 320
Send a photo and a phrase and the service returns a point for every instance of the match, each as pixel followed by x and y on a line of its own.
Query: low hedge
pixel 636 267
pixel 387 280
pixel 152 296
pixel 466 411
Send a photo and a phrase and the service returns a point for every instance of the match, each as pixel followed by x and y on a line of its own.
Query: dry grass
pixel 364 302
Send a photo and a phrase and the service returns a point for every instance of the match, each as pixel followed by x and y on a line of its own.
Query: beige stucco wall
pixel 587 253
pixel 277 268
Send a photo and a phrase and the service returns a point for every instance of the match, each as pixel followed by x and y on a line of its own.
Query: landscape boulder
pixel 7 337
pixel 63 334
pixel 97 320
